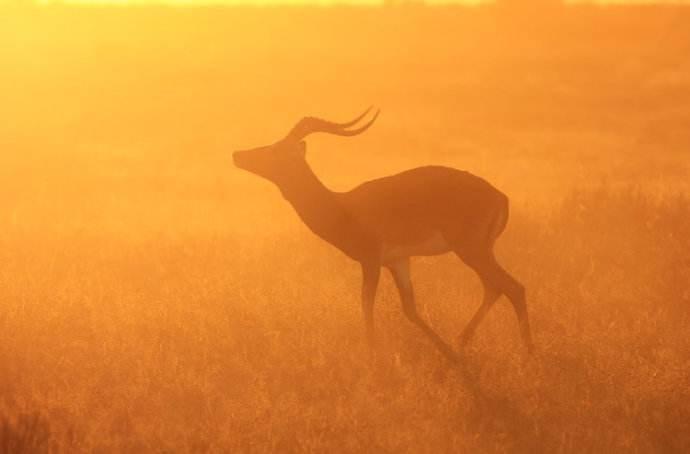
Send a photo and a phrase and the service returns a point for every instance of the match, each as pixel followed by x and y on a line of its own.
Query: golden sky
pixel 328 2
pixel 264 2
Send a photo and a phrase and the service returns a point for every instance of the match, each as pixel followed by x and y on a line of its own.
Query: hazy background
pixel 153 297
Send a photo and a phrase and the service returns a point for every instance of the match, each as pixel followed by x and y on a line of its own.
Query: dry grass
pixel 203 343
pixel 155 299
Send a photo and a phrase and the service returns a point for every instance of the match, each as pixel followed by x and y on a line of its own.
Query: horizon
pixel 386 4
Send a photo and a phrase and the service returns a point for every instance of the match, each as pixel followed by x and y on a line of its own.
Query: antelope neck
pixel 320 210
pixel 312 200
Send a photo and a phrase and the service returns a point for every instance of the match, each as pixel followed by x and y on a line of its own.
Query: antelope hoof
pixel 530 348
pixel 463 340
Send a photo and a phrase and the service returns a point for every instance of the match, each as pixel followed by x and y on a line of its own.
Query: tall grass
pixel 208 344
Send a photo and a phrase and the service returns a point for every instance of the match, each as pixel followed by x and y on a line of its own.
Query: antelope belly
pixel 434 244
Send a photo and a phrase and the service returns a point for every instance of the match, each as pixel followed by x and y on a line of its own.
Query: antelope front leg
pixel 401 275
pixel 370 281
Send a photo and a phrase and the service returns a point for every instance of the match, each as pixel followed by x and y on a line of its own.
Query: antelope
pixel 424 211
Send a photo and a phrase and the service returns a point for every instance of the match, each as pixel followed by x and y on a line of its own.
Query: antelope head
pixel 285 158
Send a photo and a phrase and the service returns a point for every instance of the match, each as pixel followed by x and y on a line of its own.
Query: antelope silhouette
pixel 382 223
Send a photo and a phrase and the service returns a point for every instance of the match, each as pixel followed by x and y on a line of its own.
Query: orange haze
pixel 153 297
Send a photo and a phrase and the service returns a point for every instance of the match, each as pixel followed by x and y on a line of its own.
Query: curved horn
pixel 356 120
pixel 309 125
pixel 361 129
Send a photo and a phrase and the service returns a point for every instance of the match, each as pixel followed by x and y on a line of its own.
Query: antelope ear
pixel 301 147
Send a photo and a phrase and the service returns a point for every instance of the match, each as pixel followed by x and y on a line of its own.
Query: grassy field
pixel 153 298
